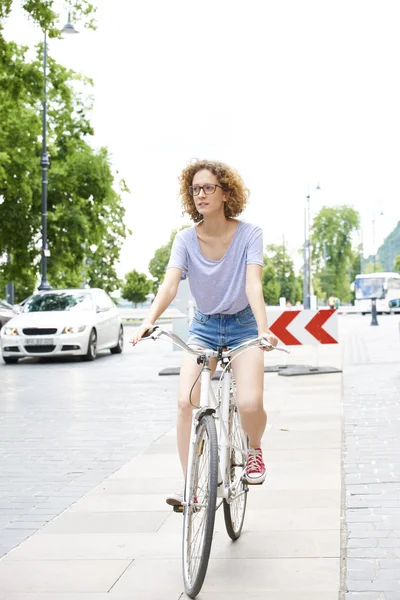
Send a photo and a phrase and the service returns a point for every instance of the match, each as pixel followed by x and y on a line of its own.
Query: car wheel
pixel 92 347
pixel 10 360
pixel 120 344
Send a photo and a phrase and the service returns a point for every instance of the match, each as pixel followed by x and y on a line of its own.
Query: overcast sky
pixel 291 93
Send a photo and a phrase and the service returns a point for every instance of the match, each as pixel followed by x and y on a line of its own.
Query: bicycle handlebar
pixel 156 332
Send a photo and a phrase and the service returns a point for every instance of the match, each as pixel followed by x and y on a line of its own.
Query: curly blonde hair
pixel 229 179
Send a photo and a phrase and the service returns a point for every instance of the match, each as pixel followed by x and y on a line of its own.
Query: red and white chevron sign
pixel 304 327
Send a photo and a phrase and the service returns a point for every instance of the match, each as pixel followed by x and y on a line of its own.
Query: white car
pixel 63 322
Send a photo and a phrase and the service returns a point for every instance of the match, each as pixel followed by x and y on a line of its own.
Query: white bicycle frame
pixel 219 407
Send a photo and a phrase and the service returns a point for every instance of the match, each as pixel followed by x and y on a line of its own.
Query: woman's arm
pixel 255 297
pixel 166 293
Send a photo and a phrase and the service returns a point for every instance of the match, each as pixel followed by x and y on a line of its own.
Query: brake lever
pixel 265 344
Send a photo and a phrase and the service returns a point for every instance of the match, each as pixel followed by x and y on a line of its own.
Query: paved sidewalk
pixel 372 458
pixel 121 541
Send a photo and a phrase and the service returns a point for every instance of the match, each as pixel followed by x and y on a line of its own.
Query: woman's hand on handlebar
pixel 140 331
pixel 271 339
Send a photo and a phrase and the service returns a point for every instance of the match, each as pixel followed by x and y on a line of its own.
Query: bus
pixel 383 286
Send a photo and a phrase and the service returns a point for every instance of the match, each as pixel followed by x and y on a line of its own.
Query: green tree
pixel 299 289
pixel 397 264
pixel 158 265
pixel 136 287
pixel 390 249
pixel 42 13
pixel 270 283
pixel 159 262
pixel 284 269
pixel 355 262
pixel 355 268
pixel 83 206
pixel 317 288
pixel 370 268
pixel 332 251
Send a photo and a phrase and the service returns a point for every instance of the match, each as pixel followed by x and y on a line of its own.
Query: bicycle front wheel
pixel 199 513
pixel 235 506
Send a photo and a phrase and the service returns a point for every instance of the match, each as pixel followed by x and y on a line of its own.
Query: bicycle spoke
pixel 235 506
pixel 200 511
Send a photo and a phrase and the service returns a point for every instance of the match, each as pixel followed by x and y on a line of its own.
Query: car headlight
pixel 10 331
pixel 74 329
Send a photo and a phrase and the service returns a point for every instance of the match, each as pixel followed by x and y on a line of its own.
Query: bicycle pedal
pixel 178 508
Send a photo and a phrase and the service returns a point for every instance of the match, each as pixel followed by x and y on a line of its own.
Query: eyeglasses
pixel 208 188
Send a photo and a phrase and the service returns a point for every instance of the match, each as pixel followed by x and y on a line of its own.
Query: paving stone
pixel 389 542
pixel 366 553
pixel 361 574
pixel 376 585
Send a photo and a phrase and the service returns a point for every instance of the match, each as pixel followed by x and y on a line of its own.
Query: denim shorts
pixel 226 331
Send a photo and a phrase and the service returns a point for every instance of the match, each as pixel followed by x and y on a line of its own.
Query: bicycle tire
pixel 235 510
pixel 202 496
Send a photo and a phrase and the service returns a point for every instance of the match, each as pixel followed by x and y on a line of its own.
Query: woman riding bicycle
pixel 223 259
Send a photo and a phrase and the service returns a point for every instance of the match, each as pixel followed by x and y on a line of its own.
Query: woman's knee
pixel 252 406
pixel 185 405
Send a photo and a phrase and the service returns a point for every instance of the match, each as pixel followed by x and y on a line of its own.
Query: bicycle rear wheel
pixel 235 506
pixel 199 513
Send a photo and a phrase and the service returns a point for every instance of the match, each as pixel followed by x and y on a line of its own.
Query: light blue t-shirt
pixel 218 286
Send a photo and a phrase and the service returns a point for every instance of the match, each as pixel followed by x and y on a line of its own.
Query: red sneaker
pixel 255 468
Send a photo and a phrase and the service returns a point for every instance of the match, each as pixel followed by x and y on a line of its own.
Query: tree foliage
pixel 159 262
pixel 332 251
pixel 299 288
pixel 270 283
pixel 136 287
pixel 43 13
pixel 371 268
pixel 84 208
pixel 390 249
pixel 284 270
pixel 158 265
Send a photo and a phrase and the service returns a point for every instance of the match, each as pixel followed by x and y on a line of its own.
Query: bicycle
pixel 212 474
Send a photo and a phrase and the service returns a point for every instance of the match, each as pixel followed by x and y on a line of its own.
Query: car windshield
pixel 370 287
pixel 61 301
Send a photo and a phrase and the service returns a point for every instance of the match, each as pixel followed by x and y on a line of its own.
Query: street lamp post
pixel 10 285
pixel 309 290
pixel 307 277
pixel 305 282
pixel 44 161
pixel 361 252
pixel 373 236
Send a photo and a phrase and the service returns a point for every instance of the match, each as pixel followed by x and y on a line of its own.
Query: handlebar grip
pixel 149 332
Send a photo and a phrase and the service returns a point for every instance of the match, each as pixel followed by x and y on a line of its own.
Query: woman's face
pixel 208 195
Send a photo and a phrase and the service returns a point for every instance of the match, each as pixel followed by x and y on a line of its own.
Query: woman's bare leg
pixel 248 369
pixel 189 372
